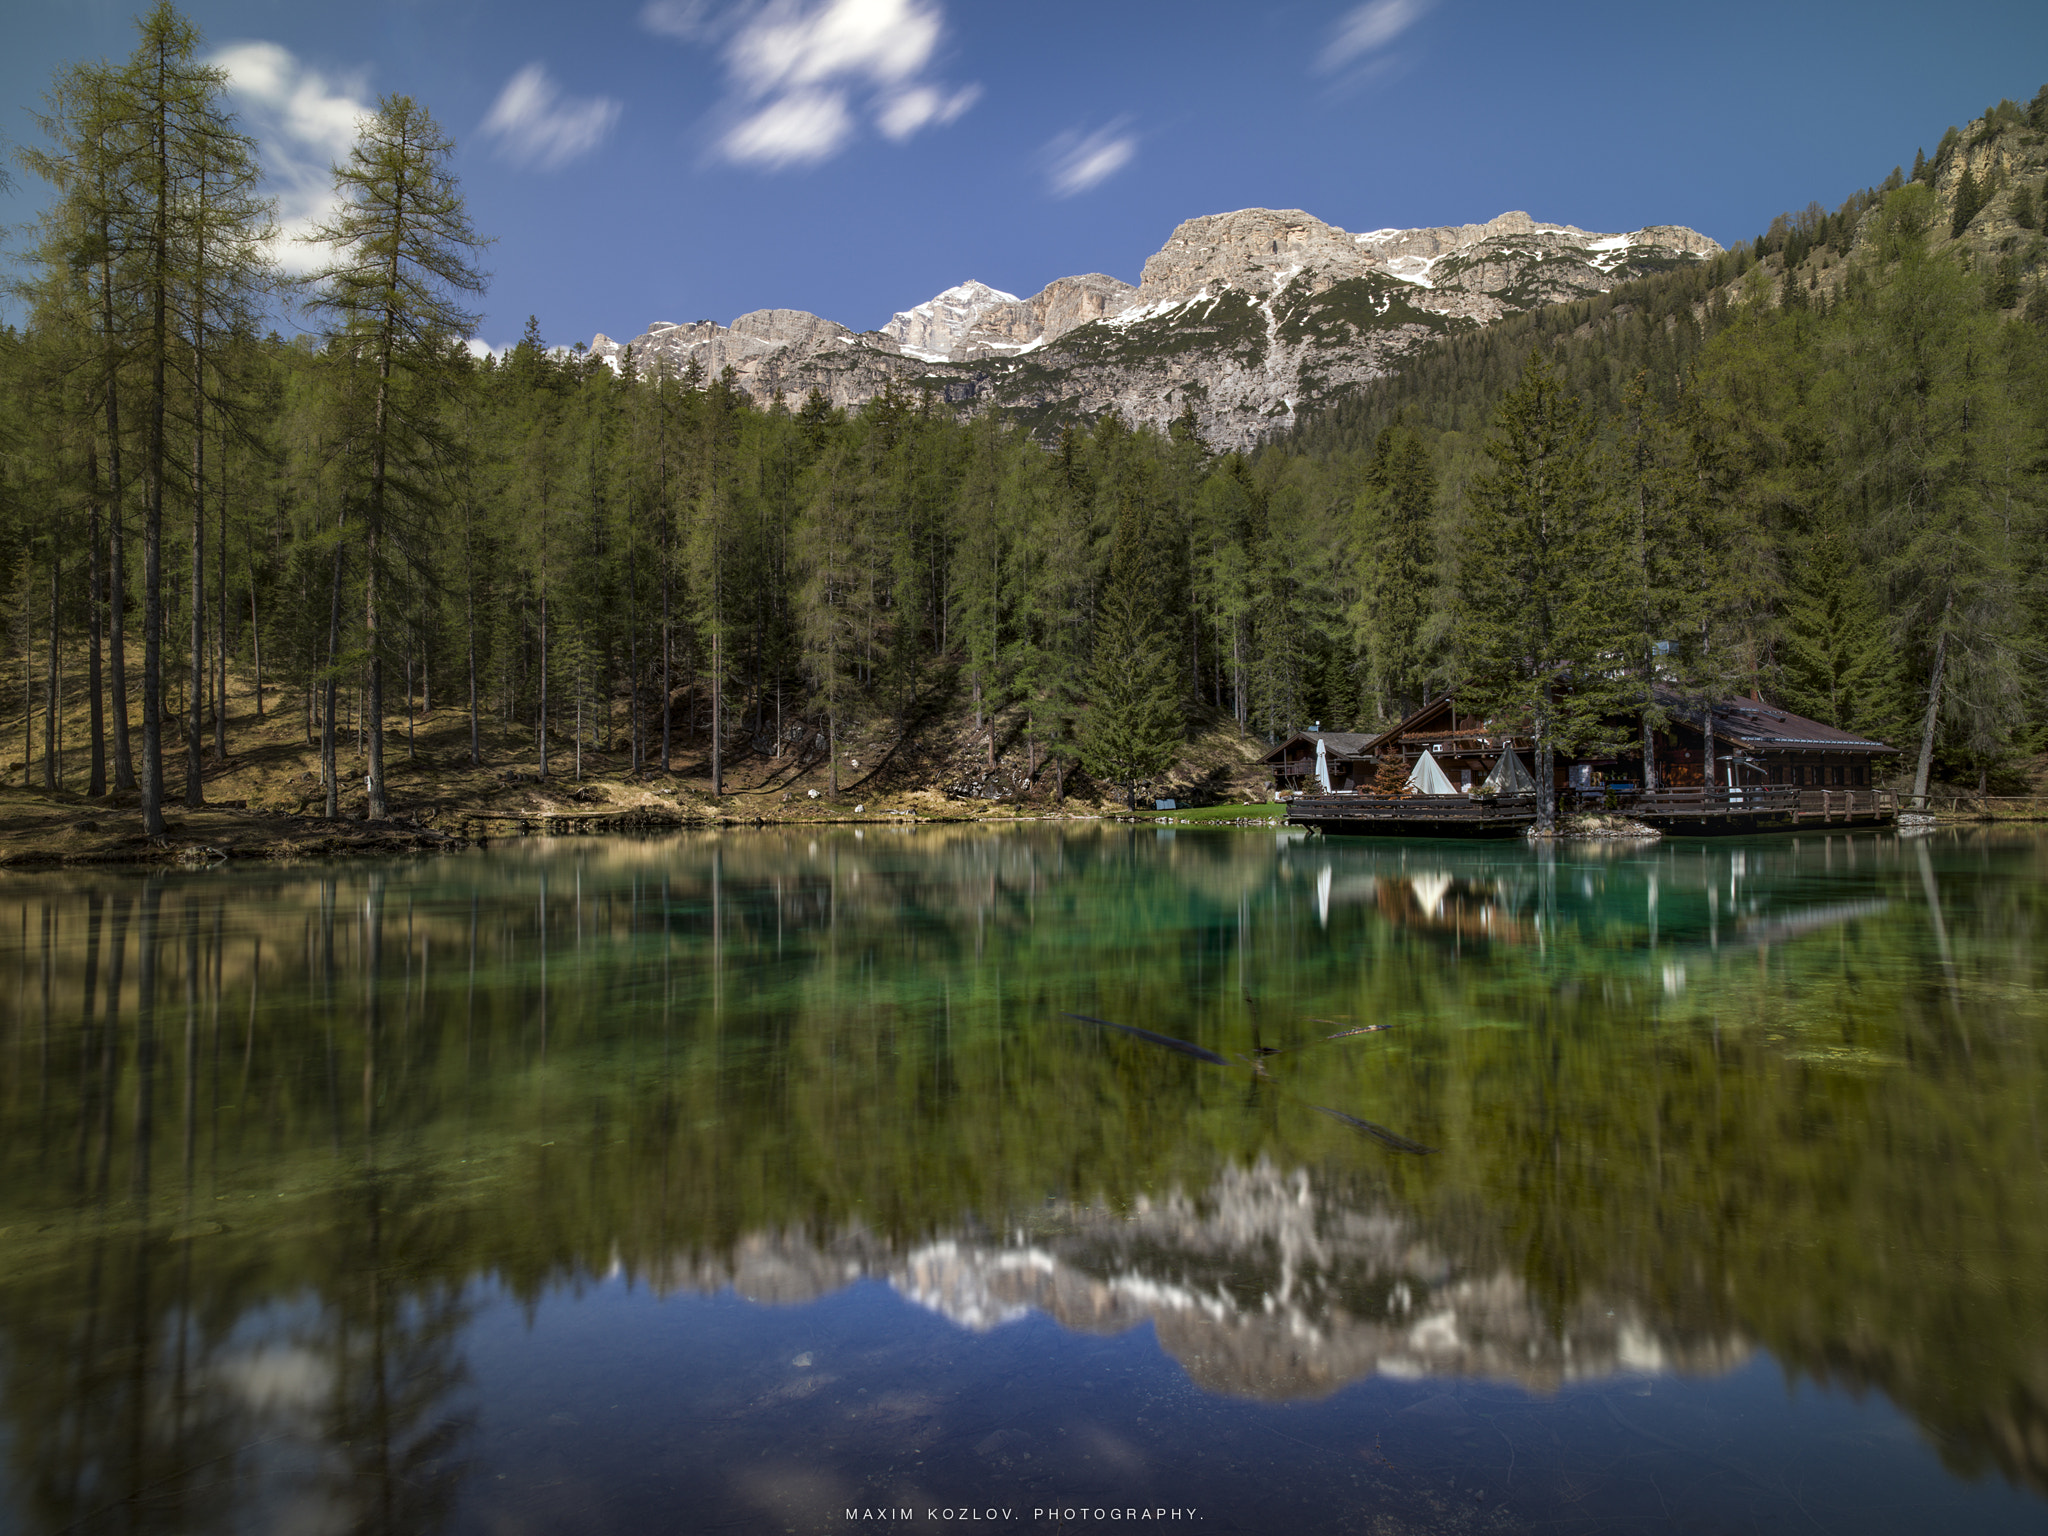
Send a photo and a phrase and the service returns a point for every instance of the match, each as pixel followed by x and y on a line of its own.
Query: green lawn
pixel 1266 812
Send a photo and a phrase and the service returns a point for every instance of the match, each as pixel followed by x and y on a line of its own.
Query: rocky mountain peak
pixel 1263 312
pixel 939 324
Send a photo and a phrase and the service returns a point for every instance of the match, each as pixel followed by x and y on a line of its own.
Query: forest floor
pixel 265 800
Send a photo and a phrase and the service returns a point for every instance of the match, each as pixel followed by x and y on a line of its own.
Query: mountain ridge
pixel 1244 318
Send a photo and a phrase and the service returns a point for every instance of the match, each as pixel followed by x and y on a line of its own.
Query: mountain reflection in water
pixel 1261 1287
pixel 271 1139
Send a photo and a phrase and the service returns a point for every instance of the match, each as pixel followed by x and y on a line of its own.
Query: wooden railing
pixel 1418 807
pixel 1842 804
pixel 1765 801
pixel 1700 801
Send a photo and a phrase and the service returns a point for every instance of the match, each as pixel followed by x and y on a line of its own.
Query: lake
pixel 1030 1178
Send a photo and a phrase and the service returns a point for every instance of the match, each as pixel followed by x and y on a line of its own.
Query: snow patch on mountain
pixel 940 323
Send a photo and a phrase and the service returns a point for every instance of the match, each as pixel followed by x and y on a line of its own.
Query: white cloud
pixel 791 44
pixel 802 74
pixel 1076 161
pixel 536 125
pixel 903 115
pixel 791 130
pixel 689 20
pixel 1368 30
pixel 305 122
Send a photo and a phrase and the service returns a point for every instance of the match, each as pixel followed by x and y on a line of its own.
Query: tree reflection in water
pixel 271 1141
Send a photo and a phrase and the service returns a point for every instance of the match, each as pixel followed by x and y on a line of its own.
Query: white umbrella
pixel 1322 763
pixel 1509 777
pixel 1428 779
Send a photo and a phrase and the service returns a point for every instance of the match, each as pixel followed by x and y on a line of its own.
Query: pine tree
pixel 1133 724
pixel 1396 514
pixel 404 255
pixel 830 554
pixel 1541 624
pixel 1838 666
pixel 1969 201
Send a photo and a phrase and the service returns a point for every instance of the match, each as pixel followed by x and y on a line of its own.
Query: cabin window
pixel 1856 775
pixel 1841 776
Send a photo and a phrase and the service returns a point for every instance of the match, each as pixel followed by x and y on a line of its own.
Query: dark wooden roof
pixel 1343 746
pixel 1757 725
pixel 1441 709
pixel 1750 725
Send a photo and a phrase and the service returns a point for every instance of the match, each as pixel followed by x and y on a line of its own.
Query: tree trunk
pixel 220 697
pixel 195 703
pixel 96 772
pixel 117 569
pixel 330 770
pixel 50 689
pixel 1649 750
pixel 373 707
pixel 543 728
pixel 255 636
pixel 476 738
pixel 633 648
pixel 718 716
pixel 667 682
pixel 28 703
pixel 1933 715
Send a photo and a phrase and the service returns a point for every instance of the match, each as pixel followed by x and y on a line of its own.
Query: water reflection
pixel 1262 1286
pixel 268 1136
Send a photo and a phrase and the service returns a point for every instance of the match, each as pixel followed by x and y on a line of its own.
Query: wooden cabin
pixel 1756 744
pixel 1351 761
pixel 1466 748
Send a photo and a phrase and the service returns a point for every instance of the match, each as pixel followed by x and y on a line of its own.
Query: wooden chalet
pixel 1770 768
pixel 1351 756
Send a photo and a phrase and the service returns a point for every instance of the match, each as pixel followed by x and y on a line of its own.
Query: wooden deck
pixel 1343 815
pixel 1676 812
pixel 1724 812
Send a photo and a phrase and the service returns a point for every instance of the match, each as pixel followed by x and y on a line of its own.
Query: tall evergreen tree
pixel 1396 514
pixel 1837 663
pixel 1134 721
pixel 175 128
pixel 1540 625
pixel 405 255
pixel 1941 454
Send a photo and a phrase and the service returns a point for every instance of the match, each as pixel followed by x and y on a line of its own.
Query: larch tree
pixel 1938 448
pixel 405 258
pixel 174 133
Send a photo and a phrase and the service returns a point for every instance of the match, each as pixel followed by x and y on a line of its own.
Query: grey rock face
pixel 938 325
pixel 1248 318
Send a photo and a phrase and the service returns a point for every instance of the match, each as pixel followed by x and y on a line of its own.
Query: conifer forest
pixel 1812 466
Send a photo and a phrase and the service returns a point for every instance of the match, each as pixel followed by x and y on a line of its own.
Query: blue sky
pixel 648 160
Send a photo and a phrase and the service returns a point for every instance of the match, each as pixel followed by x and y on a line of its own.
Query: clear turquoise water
pixel 738 1182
